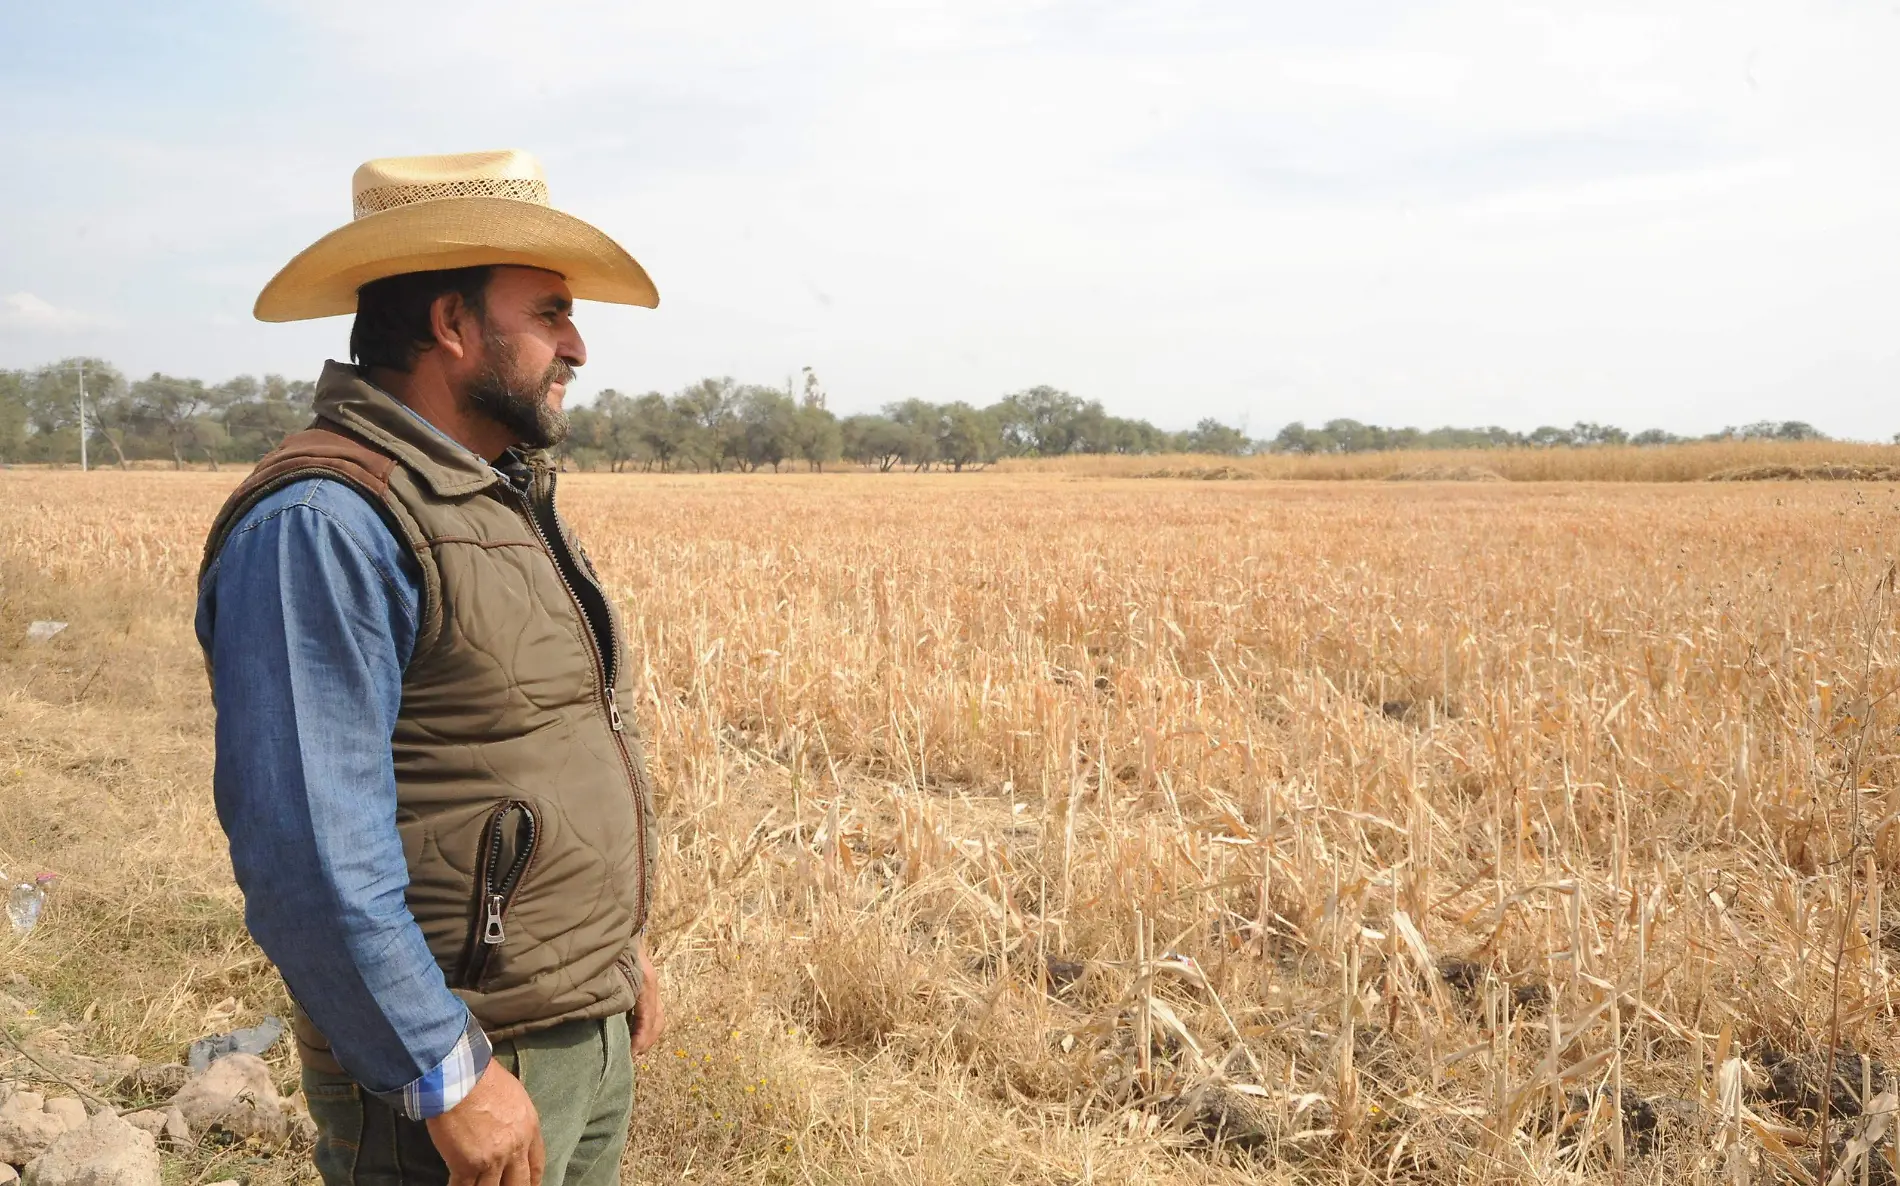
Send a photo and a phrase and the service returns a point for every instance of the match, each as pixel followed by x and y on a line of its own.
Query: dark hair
pixel 392 314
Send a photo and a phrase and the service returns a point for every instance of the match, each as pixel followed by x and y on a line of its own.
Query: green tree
pixel 14 415
pixel 664 429
pixel 1041 420
pixel 711 406
pixel 259 414
pixel 816 437
pixel 874 440
pixel 615 431
pixel 1297 438
pixel 175 409
pixel 767 427
pixel 51 397
pixel 1589 433
pixel 1211 436
pixel 968 436
pixel 922 423
pixel 1784 430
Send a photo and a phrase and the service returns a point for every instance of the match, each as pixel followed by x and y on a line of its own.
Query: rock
pixel 26 1131
pixel 177 1132
pixel 236 1095
pixel 151 1120
pixel 154 1081
pixel 303 1131
pixel 8 1175
pixel 70 1112
pixel 43 631
pixel 106 1152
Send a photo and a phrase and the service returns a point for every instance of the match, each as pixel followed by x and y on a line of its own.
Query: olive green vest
pixel 522 793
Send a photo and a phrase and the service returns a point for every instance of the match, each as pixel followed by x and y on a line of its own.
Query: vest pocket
pixel 507 848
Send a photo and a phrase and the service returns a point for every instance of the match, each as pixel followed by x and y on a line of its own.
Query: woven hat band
pixel 388 197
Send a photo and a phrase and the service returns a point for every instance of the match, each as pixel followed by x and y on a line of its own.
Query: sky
pixel 1670 214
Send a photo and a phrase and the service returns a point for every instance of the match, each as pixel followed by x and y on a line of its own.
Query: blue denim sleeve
pixel 307 620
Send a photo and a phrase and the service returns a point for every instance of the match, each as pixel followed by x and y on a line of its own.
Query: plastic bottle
pixel 25 901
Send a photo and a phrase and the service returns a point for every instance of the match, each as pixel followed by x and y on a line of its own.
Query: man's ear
pixel 453 325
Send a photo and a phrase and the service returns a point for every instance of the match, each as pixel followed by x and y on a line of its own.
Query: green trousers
pixel 580 1076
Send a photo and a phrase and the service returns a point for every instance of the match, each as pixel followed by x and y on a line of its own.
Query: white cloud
pixel 25 311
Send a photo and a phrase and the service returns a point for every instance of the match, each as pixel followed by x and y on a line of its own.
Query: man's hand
pixel 493 1137
pixel 649 1015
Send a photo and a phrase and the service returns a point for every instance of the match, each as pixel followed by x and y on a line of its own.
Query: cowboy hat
pixel 421 213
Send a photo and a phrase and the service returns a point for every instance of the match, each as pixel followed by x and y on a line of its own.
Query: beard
pixel 520 403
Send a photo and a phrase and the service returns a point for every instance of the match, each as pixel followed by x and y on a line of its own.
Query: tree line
pixel 712 425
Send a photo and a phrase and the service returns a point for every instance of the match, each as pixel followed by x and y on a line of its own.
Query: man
pixel 437 811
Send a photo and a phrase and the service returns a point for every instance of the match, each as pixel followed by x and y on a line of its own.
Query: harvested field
pixel 1446 473
pixel 1691 462
pixel 1837 472
pixel 1021 829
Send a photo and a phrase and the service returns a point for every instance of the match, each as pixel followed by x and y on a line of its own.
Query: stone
pixel 151 1120
pixel 177 1132
pixel 105 1152
pixel 235 1095
pixel 153 1081
pixel 26 1131
pixel 8 1175
pixel 303 1130
pixel 300 1129
pixel 70 1112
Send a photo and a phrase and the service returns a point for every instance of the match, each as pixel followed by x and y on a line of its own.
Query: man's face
pixel 528 353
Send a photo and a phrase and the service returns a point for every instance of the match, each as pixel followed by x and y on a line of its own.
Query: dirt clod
pixel 1794 1081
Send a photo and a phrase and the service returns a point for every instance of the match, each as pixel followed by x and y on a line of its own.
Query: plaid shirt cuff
pixel 449 1082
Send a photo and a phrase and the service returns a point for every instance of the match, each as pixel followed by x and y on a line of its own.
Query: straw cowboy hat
pixel 421 213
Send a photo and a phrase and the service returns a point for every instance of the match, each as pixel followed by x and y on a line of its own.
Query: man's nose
pixel 573 349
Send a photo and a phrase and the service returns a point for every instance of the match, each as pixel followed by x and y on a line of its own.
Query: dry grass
pixel 1671 463
pixel 1021 830
pixel 1825 472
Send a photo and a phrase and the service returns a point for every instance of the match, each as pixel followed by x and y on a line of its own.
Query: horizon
pixel 1465 214
pixel 589 400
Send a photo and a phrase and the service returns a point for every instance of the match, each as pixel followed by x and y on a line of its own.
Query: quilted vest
pixel 522 794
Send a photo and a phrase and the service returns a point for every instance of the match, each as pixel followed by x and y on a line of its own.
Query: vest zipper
pixel 609 697
pixel 495 888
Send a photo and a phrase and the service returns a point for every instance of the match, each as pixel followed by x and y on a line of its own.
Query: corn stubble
pixel 1032 830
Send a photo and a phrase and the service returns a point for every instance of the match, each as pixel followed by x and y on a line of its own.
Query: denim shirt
pixel 307 619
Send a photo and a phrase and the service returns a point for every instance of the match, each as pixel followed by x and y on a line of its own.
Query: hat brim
pixel 452 233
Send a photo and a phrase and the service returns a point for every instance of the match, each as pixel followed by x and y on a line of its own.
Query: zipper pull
pixel 492 934
pixel 613 709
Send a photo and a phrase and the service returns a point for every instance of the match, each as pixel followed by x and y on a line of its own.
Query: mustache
pixel 559 371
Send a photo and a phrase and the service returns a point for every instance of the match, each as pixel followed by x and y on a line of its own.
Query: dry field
pixel 1674 463
pixel 1027 829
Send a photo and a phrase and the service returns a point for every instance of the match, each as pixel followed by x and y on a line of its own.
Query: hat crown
pixel 389 182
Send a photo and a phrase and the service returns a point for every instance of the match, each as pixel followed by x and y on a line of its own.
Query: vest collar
pixel 447 468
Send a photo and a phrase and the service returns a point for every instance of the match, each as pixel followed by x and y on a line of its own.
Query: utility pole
pixel 82 416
